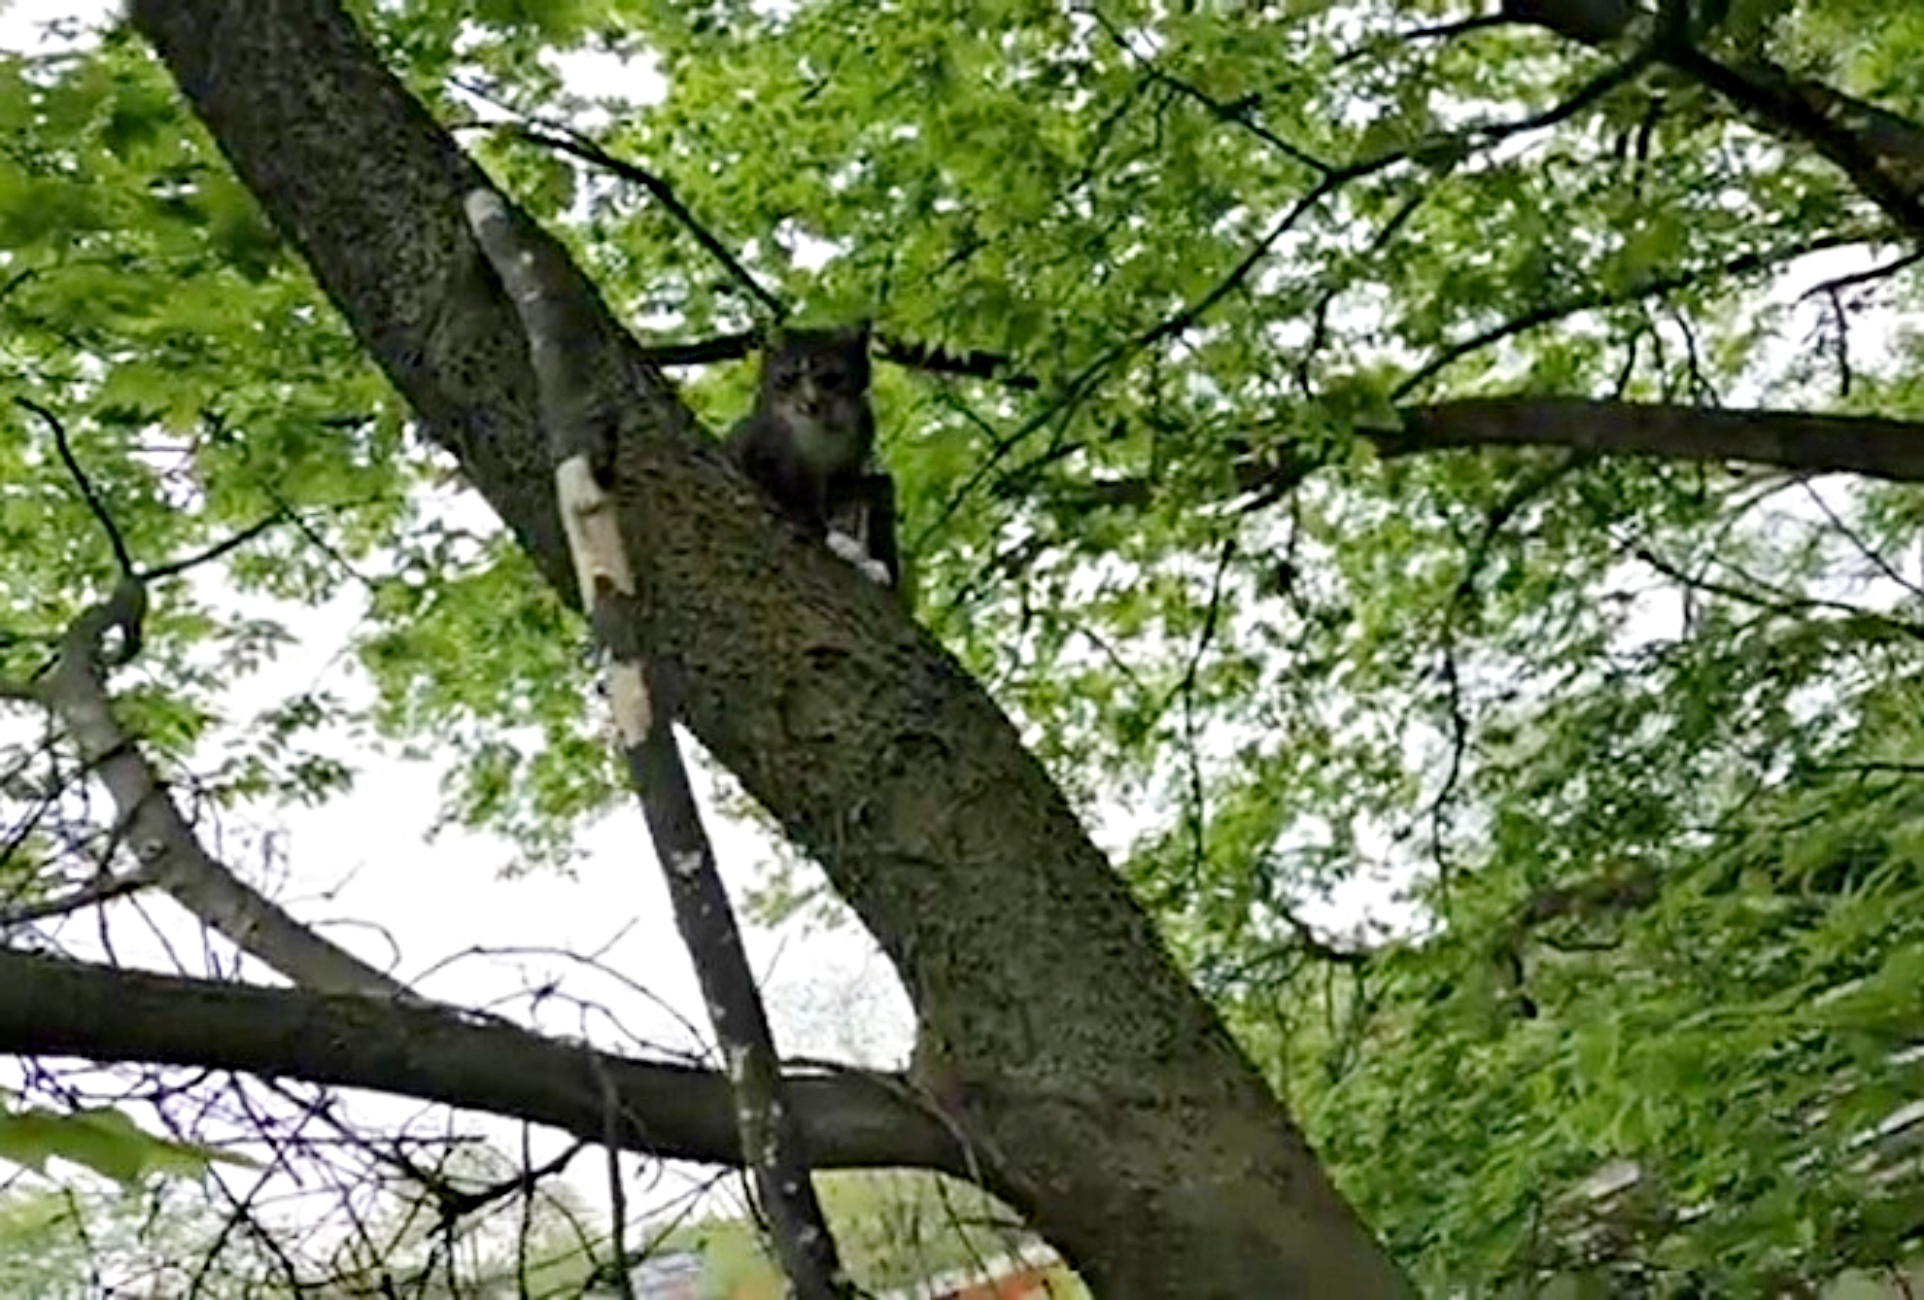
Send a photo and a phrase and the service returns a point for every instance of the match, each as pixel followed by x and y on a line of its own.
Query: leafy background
pixel 1624 754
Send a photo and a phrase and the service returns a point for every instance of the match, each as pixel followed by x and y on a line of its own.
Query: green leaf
pixel 104 1140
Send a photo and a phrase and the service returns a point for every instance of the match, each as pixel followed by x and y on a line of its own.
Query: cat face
pixel 818 378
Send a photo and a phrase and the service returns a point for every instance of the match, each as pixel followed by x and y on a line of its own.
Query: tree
pixel 1345 412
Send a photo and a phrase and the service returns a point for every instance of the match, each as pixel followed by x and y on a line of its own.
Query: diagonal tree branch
pixel 152 825
pixel 566 140
pixel 105 636
pixel 550 296
pixel 1881 152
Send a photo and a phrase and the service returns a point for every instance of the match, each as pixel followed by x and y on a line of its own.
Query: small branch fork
pixel 976 364
pixel 73 686
pixel 548 294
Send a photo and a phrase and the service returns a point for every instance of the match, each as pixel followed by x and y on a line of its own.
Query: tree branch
pixel 556 308
pixel 159 834
pixel 1848 444
pixel 563 140
pixel 1871 446
pixel 50 1006
pixel 1880 152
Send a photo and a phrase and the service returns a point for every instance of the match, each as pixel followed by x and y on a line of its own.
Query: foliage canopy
pixel 1634 741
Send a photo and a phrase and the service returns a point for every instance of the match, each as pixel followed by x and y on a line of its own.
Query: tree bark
pixel 1095 1087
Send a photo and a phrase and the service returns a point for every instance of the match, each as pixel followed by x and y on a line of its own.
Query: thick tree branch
pixel 50 1006
pixel 1824 444
pixel 1814 444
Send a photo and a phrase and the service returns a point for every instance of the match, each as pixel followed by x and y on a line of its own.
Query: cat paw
pixel 856 554
pixel 847 547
